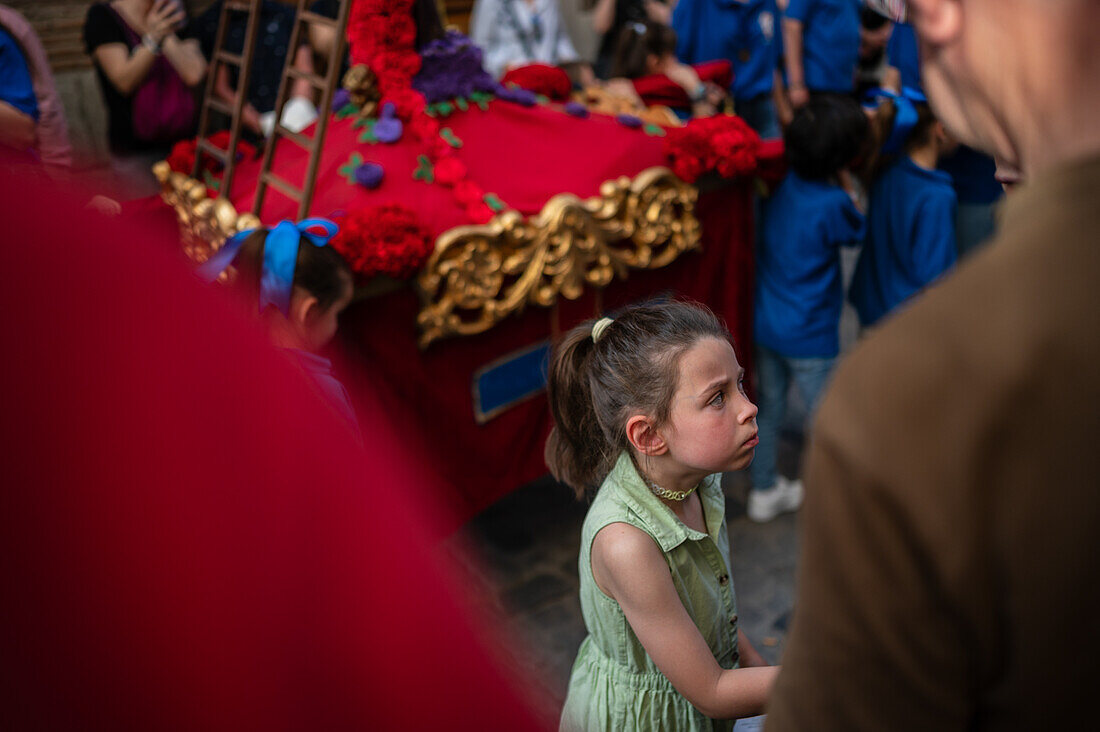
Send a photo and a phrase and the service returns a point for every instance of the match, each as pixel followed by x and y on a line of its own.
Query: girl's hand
pixel 163 17
pixel 658 12
pixel 629 567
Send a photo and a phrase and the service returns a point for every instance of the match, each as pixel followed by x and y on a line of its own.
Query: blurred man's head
pixel 1013 77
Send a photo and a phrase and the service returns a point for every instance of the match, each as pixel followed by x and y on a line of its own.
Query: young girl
pixel 650 48
pixel 302 285
pixel 650 408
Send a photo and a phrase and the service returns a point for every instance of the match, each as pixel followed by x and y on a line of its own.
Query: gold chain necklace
pixel 658 490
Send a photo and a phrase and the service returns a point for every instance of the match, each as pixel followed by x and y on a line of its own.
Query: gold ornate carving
pixel 205 223
pixel 479 275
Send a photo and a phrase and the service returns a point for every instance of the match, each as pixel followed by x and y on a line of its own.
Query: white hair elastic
pixel 599 328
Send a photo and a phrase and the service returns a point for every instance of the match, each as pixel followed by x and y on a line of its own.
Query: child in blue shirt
pixel 745 33
pixel 799 293
pixel 821 45
pixel 910 224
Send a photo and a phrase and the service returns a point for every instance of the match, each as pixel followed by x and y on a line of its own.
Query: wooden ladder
pixel 327 84
pixel 243 63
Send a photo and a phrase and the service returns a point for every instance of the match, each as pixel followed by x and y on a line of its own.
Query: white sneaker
pixel 785 495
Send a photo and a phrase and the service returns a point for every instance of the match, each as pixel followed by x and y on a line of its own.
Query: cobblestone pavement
pixel 522 552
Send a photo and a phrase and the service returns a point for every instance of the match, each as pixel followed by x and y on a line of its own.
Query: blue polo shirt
pixel 16 87
pixel 974 176
pixel 830 42
pixel 746 33
pixel 910 238
pixel 799 293
pixel 902 53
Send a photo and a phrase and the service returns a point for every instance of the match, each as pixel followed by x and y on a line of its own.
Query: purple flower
pixel 450 67
pixel 369 175
pixel 389 111
pixel 340 99
pixel 388 130
pixel 629 120
pixel 576 109
pixel 518 95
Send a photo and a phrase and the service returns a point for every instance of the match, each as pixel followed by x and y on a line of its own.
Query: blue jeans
pixel 974 225
pixel 774 374
pixel 759 114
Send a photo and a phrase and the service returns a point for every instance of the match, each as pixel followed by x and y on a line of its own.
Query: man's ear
pixel 937 22
pixel 644 437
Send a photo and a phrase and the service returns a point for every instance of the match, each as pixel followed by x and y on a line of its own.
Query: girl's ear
pixel 304 307
pixel 644 436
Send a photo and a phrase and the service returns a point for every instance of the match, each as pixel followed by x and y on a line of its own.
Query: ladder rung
pixel 219 106
pixel 214 150
pixel 239 6
pixel 228 58
pixel 312 78
pixel 274 180
pixel 302 140
pixel 307 17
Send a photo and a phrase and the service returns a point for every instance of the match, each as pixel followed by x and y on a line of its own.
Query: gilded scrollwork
pixel 479 275
pixel 205 223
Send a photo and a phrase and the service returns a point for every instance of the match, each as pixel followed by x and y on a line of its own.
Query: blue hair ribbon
pixel 906 117
pixel 280 258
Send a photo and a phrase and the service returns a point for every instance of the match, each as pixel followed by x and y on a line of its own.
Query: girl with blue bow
pixel 301 286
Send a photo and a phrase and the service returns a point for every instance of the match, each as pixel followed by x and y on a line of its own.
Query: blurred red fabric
pixel 190 538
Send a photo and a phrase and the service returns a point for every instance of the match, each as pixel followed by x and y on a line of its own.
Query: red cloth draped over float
pixel 190 538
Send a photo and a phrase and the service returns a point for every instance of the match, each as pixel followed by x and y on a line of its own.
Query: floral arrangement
pixel 724 143
pixel 182 157
pixel 549 81
pixel 383 240
pixel 450 67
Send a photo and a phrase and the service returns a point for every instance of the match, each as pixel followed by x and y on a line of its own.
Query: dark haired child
pixel 821 47
pixel 649 408
pixel 650 48
pixel 301 286
pixel 910 218
pixel 799 293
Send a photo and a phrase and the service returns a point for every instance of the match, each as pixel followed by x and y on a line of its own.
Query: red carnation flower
pixel 722 143
pixel 449 170
pixel 467 193
pixel 384 240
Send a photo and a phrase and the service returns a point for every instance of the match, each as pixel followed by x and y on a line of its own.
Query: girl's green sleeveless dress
pixel 615 684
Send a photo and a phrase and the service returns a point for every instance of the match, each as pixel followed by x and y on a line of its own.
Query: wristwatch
pixel 151 43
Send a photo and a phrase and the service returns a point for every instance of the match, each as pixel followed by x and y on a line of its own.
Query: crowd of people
pixel 932 548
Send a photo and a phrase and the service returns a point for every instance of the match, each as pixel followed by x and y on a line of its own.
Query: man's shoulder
pixel 1020 310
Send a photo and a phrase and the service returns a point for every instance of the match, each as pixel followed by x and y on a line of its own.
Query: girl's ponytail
pixel 577 451
pixel 595 384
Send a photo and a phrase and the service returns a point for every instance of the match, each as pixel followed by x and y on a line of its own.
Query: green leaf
pixel 347 170
pixel 450 137
pixel 462 104
pixel 445 108
pixel 425 171
pixel 495 204
pixel 541 99
pixel 654 130
pixel 211 182
pixel 347 110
